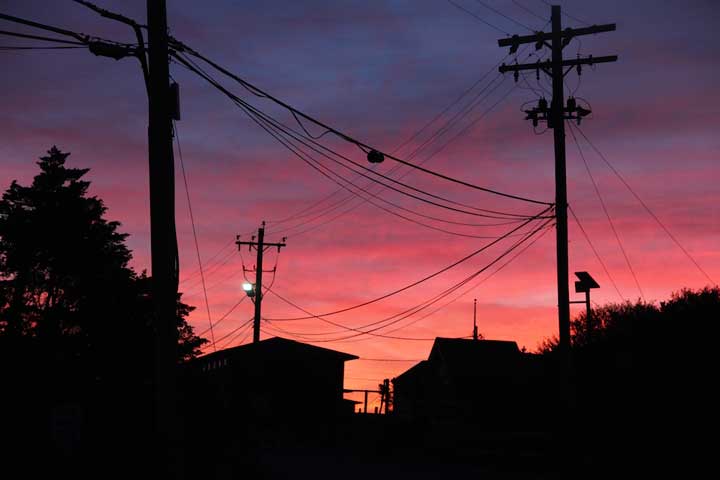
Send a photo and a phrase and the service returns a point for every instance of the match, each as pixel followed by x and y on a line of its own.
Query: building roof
pixel 466 358
pixel 279 349
pixel 415 371
pixel 452 350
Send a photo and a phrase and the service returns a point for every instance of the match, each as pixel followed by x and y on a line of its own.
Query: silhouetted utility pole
pixel 162 210
pixel 260 246
pixel 385 396
pixel 365 391
pixel 162 238
pixel 555 116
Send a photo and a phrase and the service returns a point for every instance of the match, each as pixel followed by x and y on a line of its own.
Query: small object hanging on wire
pixel 107 49
pixel 374 156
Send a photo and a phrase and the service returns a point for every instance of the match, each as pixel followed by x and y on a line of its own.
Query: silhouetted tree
pixel 642 379
pixel 64 268
pixel 689 315
pixel 75 320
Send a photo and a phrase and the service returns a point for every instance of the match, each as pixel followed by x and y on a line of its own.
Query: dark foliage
pixel 641 380
pixel 76 331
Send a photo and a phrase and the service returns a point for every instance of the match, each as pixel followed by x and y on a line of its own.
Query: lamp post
pixel 585 284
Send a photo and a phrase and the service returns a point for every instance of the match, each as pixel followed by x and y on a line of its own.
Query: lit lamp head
pixel 249 289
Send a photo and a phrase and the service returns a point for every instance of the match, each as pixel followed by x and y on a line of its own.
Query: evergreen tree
pixel 76 330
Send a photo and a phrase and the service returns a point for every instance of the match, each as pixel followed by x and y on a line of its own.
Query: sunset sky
pixel 379 71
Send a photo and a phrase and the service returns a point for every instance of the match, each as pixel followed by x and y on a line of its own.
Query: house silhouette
pixel 274 388
pixel 484 382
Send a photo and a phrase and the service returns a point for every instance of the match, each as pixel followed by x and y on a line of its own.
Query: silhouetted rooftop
pixel 279 349
pixel 451 350
pixel 464 357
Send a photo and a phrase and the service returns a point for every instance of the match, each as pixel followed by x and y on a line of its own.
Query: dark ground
pixel 374 447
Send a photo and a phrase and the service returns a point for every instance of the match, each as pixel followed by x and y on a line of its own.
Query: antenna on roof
pixel 475 333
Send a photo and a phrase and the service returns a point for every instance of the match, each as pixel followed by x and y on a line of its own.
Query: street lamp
pixel 585 284
pixel 249 289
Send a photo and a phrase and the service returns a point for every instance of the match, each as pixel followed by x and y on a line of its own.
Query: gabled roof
pixel 462 357
pixel 278 348
pixel 460 349
pixel 415 371
pixel 471 357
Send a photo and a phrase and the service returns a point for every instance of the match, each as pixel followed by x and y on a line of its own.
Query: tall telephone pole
pixel 260 246
pixel 163 241
pixel 556 116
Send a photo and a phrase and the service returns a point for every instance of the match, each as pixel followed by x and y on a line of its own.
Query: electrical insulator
pixel 532 115
pixel 542 104
pixel 571 105
pixel 515 44
pixel 104 49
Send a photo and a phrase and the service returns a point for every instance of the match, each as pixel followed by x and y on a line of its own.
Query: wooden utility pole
pixel 366 391
pixel 260 246
pixel 163 241
pixel 556 116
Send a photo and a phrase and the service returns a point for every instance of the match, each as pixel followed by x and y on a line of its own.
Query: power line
pixel 472 124
pixel 405 314
pixel 597 255
pixel 78 36
pixel 82 39
pixel 531 12
pixel 234 332
pixel 452 104
pixel 363 146
pixel 412 154
pixel 482 280
pixel 45 39
pixel 212 270
pixel 406 287
pixel 225 315
pixel 195 238
pixel 460 115
pixel 288 131
pixel 477 17
pixel 222 281
pixel 422 306
pixel 415 309
pixel 607 214
pixel 436 135
pixel 389 359
pixel 8 48
pixel 280 127
pixel 645 206
pixel 504 16
pixel 359 332
pixel 348 198
pixel 209 261
pixel 319 167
